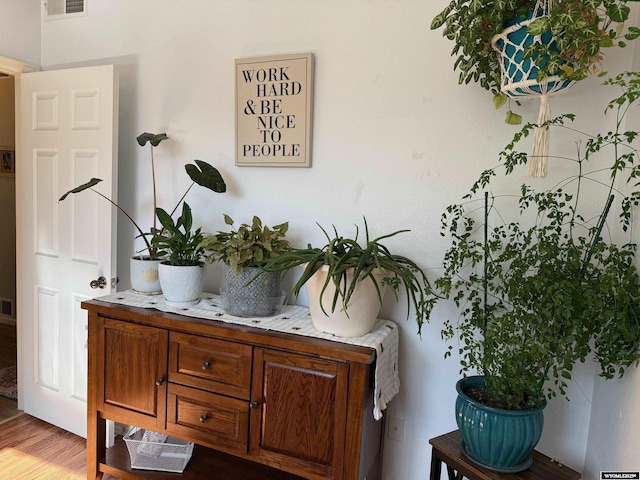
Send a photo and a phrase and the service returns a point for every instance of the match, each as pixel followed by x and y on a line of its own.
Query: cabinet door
pixel 135 373
pixel 301 421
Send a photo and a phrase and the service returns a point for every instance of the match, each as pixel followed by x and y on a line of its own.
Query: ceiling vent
pixel 64 8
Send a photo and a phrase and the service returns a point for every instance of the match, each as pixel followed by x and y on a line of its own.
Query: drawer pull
pixel 204 419
pixel 254 405
pixel 206 365
pixel 159 381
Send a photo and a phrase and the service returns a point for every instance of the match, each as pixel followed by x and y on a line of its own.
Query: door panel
pixel 68 134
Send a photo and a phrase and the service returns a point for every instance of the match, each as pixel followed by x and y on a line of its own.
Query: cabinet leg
pixel 96 447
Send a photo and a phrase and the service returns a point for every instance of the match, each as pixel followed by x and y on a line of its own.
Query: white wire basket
pixel 147 451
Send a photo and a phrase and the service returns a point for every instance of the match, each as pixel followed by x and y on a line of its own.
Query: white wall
pixel 395 138
pixel 20 37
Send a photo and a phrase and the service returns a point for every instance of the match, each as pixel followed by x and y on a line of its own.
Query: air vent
pixel 7 308
pixel 64 8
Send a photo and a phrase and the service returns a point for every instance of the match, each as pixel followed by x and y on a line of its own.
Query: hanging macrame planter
pixel 519 78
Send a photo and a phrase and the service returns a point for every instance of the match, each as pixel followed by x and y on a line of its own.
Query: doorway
pixel 8 334
pixel 10 70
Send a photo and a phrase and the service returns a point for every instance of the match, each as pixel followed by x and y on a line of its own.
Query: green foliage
pixel 176 241
pixel 201 173
pixel 542 292
pixel 346 256
pixel 582 29
pixel 248 246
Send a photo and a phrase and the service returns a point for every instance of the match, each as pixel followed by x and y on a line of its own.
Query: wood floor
pixel 31 449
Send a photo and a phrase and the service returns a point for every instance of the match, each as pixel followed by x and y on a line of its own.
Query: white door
pixel 68 130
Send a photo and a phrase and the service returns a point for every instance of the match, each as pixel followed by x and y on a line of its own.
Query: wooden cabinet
pixel 258 404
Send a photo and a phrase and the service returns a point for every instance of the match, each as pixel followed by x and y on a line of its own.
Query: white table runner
pixel 296 320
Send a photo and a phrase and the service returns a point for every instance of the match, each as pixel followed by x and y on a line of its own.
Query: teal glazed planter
pixel 494 438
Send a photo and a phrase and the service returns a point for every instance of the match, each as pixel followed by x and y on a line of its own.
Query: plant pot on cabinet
pixel 495 438
pixel 355 319
pixel 144 275
pixel 182 285
pixel 244 295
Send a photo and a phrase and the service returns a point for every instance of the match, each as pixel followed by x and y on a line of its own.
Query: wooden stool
pixel 446 448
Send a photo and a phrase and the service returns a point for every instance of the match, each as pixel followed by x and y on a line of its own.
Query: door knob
pixel 206 365
pixel 101 282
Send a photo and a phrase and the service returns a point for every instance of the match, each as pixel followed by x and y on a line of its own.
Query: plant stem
pixel 181 199
pixel 486 257
pixel 596 236
pixel 129 217
pixel 153 178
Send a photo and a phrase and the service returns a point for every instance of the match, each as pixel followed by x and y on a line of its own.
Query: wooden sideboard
pixel 258 404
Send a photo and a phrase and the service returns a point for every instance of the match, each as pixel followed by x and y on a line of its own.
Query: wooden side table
pixel 446 448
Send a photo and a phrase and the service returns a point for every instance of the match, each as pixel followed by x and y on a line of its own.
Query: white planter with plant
pixel 144 275
pixel 347 319
pixel 344 259
pixel 182 285
pixel 248 291
pixel 144 263
pixel 183 271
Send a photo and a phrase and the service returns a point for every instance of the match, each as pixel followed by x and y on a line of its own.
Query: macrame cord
pixel 518 79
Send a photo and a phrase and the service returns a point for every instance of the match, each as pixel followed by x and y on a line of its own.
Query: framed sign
pixel 274 106
pixel 7 167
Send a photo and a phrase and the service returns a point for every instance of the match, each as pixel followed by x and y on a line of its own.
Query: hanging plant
pixel 582 29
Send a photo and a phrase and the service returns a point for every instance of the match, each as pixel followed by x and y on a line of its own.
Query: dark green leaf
pixel 84 186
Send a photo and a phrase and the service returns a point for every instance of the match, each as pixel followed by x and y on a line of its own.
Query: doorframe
pixel 16 68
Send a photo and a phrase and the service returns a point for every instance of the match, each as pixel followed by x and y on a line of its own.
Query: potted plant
pixel 345 281
pixel 575 33
pixel 545 290
pixel 182 272
pixel 144 267
pixel 248 290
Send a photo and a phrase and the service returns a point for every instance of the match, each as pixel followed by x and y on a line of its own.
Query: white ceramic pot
pixel 182 285
pixel 355 319
pixel 144 275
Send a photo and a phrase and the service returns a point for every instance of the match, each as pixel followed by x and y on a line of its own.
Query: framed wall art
pixel 7 162
pixel 274 108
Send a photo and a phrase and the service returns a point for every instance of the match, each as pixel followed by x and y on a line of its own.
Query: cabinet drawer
pixel 208 418
pixel 215 365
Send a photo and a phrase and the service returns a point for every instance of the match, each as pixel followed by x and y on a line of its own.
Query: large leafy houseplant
pixel 182 272
pixel 177 241
pixel 247 290
pixel 250 245
pixel 345 257
pixel 557 284
pixel 201 173
pixel 582 28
